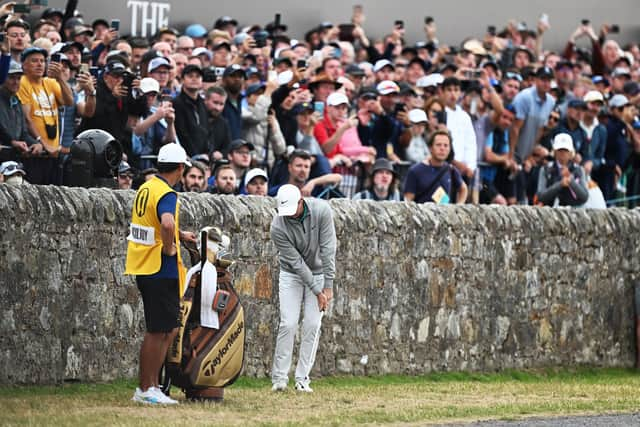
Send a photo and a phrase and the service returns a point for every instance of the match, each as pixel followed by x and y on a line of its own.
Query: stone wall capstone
pixel 418 288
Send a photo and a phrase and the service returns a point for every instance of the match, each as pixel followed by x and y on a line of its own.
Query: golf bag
pixel 202 360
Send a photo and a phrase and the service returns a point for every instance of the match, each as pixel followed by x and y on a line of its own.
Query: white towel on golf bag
pixel 193 270
pixel 208 316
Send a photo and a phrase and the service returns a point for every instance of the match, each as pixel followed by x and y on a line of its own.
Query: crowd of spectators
pixel 335 111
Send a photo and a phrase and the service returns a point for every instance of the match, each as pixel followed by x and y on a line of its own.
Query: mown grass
pixel 390 399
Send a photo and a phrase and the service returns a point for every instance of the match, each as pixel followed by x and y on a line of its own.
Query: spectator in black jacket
pixel 113 105
pixel 217 126
pixel 232 81
pixel 191 113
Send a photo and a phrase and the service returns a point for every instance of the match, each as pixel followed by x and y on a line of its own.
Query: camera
pixel 261 38
pixel 209 75
pixel 399 24
pixel 127 79
pixel 491 29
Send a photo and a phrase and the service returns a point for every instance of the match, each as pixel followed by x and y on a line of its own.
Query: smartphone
pixel 399 24
pixel 544 19
pixel 398 107
pixel 219 71
pixel 115 24
pixel 84 68
pixel 55 57
pixel 209 75
pixel 301 64
pixel 346 32
pixel 585 22
pixel 39 2
pixel 94 71
pixel 491 30
pixel 614 29
pixel 441 117
pixel 2 37
pixel 166 96
pixel 428 20
pixel 318 107
pixel 21 8
pixel 276 21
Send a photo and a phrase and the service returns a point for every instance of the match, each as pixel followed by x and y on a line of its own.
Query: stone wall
pixel 419 288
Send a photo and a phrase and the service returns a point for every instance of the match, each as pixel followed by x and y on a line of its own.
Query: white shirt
pixel 463 137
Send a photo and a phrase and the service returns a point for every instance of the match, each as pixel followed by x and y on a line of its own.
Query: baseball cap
pixel 386 87
pixel 239 143
pixel 32 50
pixel 255 87
pixel 354 70
pixel 173 153
pixel 618 101
pixel 189 68
pixel 202 51
pixel 563 141
pixel 11 168
pixel 337 98
pixel 51 12
pixel 233 69
pixel 544 73
pixel 599 79
pixel 621 72
pixel 593 96
pixel 417 115
pixel 115 67
pixel 577 103
pixel 99 21
pixel 149 84
pixel 81 29
pixel 68 45
pixel 381 63
pixel 631 88
pixel 224 20
pixel 287 200
pixel 221 45
pixel 254 173
pixel 300 107
pixel 196 31
pixel 431 80
pixel 15 67
pixel 123 167
pixel 158 62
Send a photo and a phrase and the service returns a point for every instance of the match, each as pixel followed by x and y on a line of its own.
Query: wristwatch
pixel 92 93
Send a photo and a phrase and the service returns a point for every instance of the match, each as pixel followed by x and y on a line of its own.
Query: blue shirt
pixel 534 112
pixel 420 178
pixel 169 267
pixel 488 173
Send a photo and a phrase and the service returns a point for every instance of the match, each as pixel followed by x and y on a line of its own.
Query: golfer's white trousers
pixel 292 294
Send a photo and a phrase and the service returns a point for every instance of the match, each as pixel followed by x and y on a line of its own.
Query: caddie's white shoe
pixel 152 396
pixel 303 386
pixel 164 399
pixel 279 386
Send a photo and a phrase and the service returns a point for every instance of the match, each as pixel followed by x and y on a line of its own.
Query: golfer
pixel 304 234
pixel 153 255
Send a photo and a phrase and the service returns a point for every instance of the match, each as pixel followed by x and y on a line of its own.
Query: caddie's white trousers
pixel 292 294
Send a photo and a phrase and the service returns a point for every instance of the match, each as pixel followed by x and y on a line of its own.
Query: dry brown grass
pixel 338 401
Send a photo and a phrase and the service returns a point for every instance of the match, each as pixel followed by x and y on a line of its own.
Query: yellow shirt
pixel 44 98
pixel 144 247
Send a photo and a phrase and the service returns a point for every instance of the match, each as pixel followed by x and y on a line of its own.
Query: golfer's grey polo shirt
pixel 535 112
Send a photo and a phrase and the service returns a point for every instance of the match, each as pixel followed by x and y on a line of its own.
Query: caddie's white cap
pixel 417 115
pixel 337 98
pixel 253 173
pixel 563 141
pixel 287 200
pixel 173 153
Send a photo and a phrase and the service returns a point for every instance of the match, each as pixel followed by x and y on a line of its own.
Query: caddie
pixel 153 256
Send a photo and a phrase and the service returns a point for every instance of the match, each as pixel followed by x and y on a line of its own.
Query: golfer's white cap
pixel 173 153
pixel 287 200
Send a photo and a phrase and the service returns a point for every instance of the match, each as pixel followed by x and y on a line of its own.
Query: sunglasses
pixel 511 75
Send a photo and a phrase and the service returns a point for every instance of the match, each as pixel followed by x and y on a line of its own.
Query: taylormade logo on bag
pixel 210 369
